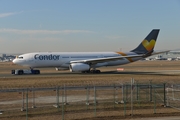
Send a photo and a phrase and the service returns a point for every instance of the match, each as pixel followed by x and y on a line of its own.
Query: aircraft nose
pixel 17 62
pixel 14 61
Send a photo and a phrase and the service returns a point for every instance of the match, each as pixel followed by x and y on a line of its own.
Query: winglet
pixel 147 45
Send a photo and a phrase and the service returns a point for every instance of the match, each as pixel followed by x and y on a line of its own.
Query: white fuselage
pixel 85 61
pixel 63 59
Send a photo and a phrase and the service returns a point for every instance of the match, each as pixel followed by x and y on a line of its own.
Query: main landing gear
pixel 95 71
pixel 92 71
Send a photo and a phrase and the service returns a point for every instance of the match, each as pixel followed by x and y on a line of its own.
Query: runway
pixel 56 74
pixel 159 118
pixel 142 72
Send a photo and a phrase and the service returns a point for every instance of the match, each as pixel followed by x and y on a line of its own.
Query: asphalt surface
pixel 50 99
pixel 159 118
pixel 160 72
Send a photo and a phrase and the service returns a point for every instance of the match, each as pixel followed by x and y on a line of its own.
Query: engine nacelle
pixel 78 67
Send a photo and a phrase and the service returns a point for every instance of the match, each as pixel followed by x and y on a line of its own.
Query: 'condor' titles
pixel 46 57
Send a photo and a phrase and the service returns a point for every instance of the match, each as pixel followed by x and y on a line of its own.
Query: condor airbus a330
pixel 88 61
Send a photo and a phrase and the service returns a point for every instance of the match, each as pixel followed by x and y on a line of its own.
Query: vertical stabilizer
pixel 147 45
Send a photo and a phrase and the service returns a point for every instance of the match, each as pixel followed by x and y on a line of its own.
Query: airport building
pixel 6 58
pixel 172 55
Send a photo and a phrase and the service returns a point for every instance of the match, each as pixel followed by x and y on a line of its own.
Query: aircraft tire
pixel 85 71
pixel 12 71
pixel 20 72
pixel 95 71
pixel 37 72
pixel 98 71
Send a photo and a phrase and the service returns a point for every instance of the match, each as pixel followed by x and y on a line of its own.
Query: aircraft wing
pixel 100 60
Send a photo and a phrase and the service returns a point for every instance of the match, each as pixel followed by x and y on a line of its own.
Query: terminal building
pixel 172 55
pixel 6 58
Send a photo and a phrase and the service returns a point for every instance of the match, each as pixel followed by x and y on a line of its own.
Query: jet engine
pixel 79 67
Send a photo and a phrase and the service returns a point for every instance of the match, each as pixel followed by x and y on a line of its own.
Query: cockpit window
pixel 20 57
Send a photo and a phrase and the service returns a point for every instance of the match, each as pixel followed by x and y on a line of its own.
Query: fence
pixel 173 95
pixel 78 102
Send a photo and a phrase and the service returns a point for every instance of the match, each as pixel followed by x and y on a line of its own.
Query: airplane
pixel 87 62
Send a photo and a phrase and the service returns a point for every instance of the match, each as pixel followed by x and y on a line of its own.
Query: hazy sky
pixel 86 25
